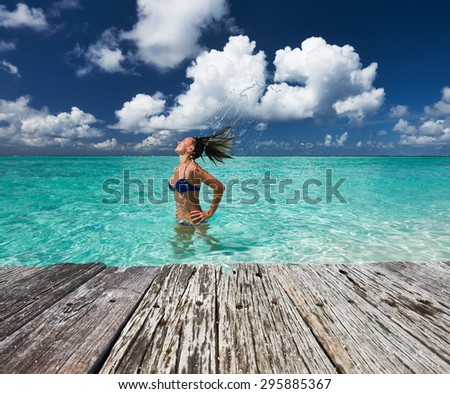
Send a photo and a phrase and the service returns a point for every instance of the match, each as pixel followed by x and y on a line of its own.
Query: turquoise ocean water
pixel 78 209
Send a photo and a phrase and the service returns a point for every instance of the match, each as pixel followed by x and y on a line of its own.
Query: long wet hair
pixel 216 146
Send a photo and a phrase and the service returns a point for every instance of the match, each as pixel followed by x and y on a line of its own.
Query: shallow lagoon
pixel 275 210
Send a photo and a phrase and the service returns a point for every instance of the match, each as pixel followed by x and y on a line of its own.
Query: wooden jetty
pixel 86 318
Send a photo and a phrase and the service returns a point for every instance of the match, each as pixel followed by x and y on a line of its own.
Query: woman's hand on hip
pixel 199 216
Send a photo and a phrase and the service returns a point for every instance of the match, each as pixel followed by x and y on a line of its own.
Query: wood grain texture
pixel 27 295
pixel 433 278
pixel 371 318
pixel 75 334
pixel 356 335
pixel 11 274
pixel 260 330
pixel 421 313
pixel 173 330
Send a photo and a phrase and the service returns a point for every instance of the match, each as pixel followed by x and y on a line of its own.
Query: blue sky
pixel 298 78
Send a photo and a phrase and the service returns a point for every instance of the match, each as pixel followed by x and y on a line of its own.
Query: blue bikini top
pixel 182 185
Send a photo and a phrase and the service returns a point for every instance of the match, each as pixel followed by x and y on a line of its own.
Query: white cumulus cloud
pixel 356 107
pixel 398 111
pixel 231 81
pixel 107 59
pixel 430 132
pixel 403 127
pixel 433 129
pixel 375 145
pixel 324 77
pixel 7 46
pixel 23 16
pixel 338 141
pixel 135 115
pixel 109 144
pixel 424 140
pixel 159 139
pixel 227 81
pixel 104 54
pixel 73 124
pixel 167 31
pixel 234 82
pixel 10 68
pixel 22 124
pixel 442 107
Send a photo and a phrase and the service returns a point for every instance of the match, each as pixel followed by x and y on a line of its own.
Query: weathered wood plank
pixel 300 351
pixel 173 330
pixel 197 321
pixel 374 318
pixel 150 341
pixel 260 330
pixel 356 335
pixel 414 309
pixel 430 277
pixel 11 274
pixel 26 297
pixel 76 333
pixel 235 342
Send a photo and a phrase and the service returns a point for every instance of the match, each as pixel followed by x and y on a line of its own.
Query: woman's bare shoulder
pixel 197 168
pixel 200 172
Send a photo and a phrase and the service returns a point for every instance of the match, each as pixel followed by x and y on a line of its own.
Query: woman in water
pixel 188 176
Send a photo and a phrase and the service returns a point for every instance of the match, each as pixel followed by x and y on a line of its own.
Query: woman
pixel 188 176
